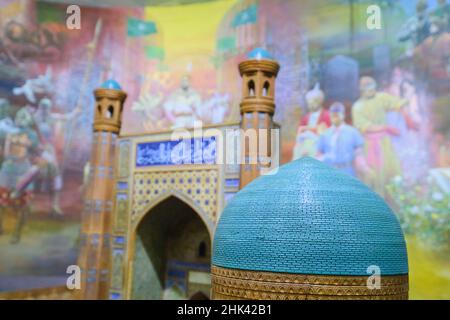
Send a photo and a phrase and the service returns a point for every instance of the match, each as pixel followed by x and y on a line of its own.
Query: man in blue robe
pixel 339 145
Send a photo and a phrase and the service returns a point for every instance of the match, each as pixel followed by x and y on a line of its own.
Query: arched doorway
pixel 172 253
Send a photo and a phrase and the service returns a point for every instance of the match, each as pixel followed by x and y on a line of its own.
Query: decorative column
pixel 96 229
pixel 258 73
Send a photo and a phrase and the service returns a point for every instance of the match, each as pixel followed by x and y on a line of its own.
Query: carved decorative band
pixel 301 289
pixel 240 284
pixel 110 93
pixel 301 278
pixel 258 105
pixel 259 65
pixel 105 125
pixel 254 295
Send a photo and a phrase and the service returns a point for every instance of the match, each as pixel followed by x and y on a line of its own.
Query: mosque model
pixel 303 231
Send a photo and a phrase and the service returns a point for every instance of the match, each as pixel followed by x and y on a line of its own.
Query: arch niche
pixel 172 252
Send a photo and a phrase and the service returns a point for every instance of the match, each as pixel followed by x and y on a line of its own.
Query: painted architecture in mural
pixel 370 103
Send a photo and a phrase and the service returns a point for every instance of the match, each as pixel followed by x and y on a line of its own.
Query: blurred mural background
pixel 155 48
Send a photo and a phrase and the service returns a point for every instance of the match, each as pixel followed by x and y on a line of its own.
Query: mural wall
pixel 373 103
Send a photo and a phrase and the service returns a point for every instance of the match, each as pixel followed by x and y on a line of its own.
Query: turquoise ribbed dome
pixel 259 54
pixel 309 218
pixel 111 84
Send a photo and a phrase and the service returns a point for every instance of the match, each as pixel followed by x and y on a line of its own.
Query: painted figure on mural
pixel 183 105
pixel 215 109
pixel 35 87
pixel 442 12
pixel 432 56
pixel 21 43
pixel 151 112
pixel 315 122
pixel 340 144
pixel 416 29
pixel 19 149
pixel 369 116
pixel 411 143
pixel 50 179
pixel 6 124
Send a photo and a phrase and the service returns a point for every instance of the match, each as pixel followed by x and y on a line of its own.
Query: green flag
pixel 139 28
pixel 246 16
pixel 226 44
pixel 154 52
pixel 47 12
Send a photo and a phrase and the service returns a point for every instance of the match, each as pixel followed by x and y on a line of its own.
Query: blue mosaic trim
pixel 122 185
pixel 232 183
pixel 115 296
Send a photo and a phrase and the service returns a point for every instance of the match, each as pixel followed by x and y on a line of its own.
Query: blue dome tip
pixel 259 54
pixel 111 84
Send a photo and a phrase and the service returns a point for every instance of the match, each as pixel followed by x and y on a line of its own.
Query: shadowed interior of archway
pixel 172 253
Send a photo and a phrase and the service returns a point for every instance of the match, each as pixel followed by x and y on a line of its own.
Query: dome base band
pixel 257 285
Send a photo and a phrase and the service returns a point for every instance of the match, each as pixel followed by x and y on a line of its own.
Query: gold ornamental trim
pixel 107 125
pixel 241 284
pixel 301 278
pixel 257 105
pixel 110 94
pixel 241 295
pixel 301 288
pixel 249 66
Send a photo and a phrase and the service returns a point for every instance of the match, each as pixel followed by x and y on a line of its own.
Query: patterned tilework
pixel 256 285
pixel 198 185
pixel 124 159
pixel 117 270
pixel 121 213
pixel 309 219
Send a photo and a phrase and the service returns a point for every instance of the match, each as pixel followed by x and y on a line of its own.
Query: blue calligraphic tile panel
pixel 184 151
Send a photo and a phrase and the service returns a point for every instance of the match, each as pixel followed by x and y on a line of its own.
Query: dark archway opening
pixel 110 112
pixel 266 89
pixel 202 250
pixel 199 296
pixel 172 253
pixel 251 88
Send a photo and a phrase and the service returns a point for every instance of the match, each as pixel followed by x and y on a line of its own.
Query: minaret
pixel 257 108
pixel 95 245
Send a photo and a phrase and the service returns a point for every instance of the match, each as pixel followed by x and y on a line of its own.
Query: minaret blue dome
pixel 259 54
pixel 309 218
pixel 111 84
